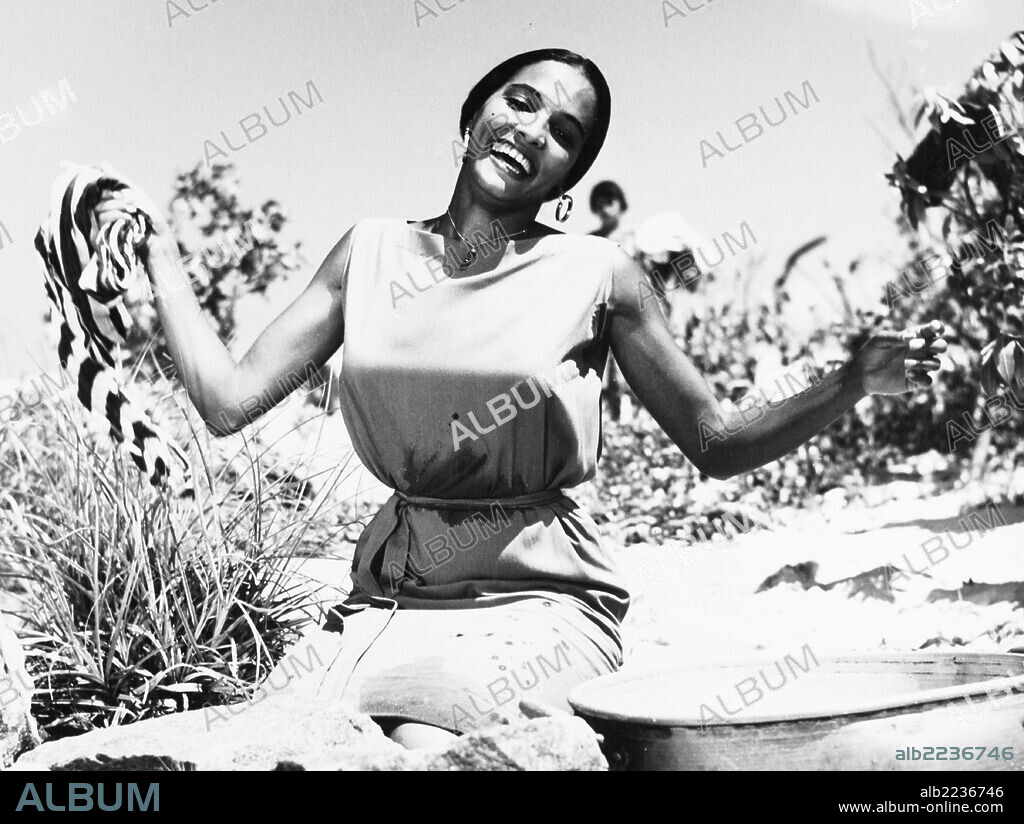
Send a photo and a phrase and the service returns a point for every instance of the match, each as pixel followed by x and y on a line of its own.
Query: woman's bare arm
pixel 228 395
pixel 722 444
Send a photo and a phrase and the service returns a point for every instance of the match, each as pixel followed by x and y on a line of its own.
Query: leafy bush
pixel 969 164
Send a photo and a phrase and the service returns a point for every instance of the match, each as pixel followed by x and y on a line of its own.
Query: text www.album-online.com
pixel 946 800
pixel 914 807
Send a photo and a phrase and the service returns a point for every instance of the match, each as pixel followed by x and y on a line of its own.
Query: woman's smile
pixel 508 159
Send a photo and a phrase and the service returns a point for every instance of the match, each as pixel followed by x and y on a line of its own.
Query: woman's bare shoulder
pixel 364 227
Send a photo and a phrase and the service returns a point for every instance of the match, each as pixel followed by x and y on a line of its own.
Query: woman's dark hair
pixel 500 74
pixel 607 190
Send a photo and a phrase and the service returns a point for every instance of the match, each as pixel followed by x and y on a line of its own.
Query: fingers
pixel 929 331
pixel 934 345
pixel 932 329
pixel 918 376
pixel 132 197
pixel 126 204
pixel 114 203
pixel 118 194
pixel 925 342
pixel 123 199
pixel 921 367
pixel 917 371
pixel 111 209
pixel 919 349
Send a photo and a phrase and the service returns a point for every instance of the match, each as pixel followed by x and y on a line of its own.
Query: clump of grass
pixel 134 603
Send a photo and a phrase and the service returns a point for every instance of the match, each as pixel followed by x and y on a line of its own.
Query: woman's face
pixel 529 133
pixel 608 209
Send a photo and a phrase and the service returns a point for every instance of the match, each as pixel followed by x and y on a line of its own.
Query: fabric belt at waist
pixel 546 496
pixel 390 528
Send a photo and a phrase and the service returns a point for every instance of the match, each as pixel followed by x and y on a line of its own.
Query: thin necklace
pixel 471 256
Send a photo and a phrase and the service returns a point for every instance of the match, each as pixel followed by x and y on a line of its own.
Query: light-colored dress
pixel 475 394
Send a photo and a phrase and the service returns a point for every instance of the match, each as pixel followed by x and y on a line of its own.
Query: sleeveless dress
pixel 474 394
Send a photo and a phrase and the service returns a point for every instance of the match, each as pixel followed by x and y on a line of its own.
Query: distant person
pixel 608 204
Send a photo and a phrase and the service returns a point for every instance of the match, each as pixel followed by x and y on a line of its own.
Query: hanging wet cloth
pixel 87 285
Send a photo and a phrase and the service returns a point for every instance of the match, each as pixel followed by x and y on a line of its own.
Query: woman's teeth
pixel 515 161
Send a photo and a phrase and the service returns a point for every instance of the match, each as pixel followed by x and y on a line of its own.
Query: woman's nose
pixel 533 129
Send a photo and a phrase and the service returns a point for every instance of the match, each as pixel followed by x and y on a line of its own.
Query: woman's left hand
pixel 892 363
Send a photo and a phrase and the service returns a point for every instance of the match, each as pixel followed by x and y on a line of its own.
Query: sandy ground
pixel 702 602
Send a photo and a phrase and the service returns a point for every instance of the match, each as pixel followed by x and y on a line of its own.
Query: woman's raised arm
pixel 722 444
pixel 228 395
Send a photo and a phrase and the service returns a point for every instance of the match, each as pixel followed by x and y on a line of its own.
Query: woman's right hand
pixel 124 204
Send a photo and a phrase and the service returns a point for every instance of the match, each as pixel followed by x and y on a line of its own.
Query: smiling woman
pixel 426 629
pixel 553 89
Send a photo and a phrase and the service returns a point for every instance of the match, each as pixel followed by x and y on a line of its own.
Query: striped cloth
pixel 87 285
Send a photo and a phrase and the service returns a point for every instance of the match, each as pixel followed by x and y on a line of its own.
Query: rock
pixel 803 574
pixel 981 593
pixel 560 742
pixel 18 731
pixel 287 733
pixel 255 737
pixel 129 763
pixel 873 583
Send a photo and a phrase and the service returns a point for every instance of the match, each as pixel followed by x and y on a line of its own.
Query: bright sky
pixel 149 93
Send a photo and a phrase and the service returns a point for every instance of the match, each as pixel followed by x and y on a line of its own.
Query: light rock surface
pixel 292 733
pixel 17 728
pixel 560 743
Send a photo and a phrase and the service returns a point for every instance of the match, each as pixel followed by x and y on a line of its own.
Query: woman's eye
pixel 516 103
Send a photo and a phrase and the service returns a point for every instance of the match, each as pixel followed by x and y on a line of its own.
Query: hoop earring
pixel 564 202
